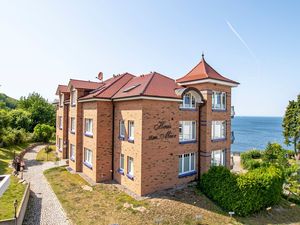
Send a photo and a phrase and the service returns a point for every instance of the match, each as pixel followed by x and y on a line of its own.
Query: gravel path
pixel 43 206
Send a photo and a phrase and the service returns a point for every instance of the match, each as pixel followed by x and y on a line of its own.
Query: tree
pixel 43 132
pixel 41 111
pixel 291 124
pixel 19 118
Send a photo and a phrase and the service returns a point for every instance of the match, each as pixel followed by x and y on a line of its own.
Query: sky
pixel 257 43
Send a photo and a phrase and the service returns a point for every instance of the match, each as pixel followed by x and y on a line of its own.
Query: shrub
pixel 43 132
pixel 13 136
pixel 243 194
pixel 250 158
pixel 275 154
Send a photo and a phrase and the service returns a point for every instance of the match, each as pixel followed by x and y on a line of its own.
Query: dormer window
pixel 73 97
pixel 188 102
pixel 61 100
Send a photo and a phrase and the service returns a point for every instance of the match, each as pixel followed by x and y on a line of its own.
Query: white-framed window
pixel 122 129
pixel 61 100
pixel 88 130
pixel 218 157
pixel 130 169
pixel 219 100
pixel 72 152
pixel 187 163
pixel 88 157
pixel 72 124
pixel 218 129
pixel 131 130
pixel 60 144
pixel 73 97
pixel 60 122
pixel 187 131
pixel 122 162
pixel 188 101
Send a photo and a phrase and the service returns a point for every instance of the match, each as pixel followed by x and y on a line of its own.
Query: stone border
pixel 21 210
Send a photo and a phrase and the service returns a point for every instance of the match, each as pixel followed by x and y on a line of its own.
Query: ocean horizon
pixel 254 132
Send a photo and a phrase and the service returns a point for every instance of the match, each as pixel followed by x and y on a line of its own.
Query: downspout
pixel 113 142
pixel 199 139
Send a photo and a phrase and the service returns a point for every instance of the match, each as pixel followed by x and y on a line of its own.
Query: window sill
pixel 88 135
pixel 187 142
pixel 120 171
pixel 72 132
pixel 88 165
pixel 219 110
pixel 72 159
pixel 121 138
pixel 219 140
pixel 130 140
pixel 192 173
pixel 131 177
pixel 188 109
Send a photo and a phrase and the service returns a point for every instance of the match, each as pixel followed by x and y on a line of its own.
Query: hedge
pixel 243 194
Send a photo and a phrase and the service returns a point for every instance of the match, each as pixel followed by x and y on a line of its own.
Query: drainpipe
pixel 113 142
pixel 199 139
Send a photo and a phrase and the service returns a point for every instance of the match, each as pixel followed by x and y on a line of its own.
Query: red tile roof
pixel 203 71
pixel 62 89
pixel 110 87
pixel 83 84
pixel 151 85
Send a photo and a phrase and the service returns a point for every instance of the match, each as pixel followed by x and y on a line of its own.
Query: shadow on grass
pixel 33 211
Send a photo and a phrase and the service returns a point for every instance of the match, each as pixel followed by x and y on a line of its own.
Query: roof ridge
pixel 87 81
pixel 204 66
pixel 146 86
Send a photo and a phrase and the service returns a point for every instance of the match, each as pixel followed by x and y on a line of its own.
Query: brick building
pixel 146 132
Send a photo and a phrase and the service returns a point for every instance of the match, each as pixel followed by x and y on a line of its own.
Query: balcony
pixel 232 137
pixel 232 112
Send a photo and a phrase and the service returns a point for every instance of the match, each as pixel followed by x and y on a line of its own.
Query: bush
pixel 250 158
pixel 13 136
pixel 43 132
pixel 275 154
pixel 243 194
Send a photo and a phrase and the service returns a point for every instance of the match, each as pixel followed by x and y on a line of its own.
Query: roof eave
pixel 209 80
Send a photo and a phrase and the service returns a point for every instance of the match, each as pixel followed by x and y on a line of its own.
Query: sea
pixel 256 132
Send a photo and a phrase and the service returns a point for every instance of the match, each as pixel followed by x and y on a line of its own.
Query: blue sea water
pixel 256 132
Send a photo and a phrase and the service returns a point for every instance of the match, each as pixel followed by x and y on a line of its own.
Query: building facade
pixel 146 132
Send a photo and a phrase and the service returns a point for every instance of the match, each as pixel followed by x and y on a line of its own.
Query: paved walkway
pixel 43 206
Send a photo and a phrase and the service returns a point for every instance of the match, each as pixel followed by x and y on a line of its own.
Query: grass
pixel 15 190
pixel 42 155
pixel 105 205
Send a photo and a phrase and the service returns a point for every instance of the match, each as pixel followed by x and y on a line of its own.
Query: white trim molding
pixel 209 81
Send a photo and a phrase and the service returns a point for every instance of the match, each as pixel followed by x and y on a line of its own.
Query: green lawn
pixel 105 205
pixel 15 190
pixel 42 155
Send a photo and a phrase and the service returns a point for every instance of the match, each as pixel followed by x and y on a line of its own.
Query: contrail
pixel 242 40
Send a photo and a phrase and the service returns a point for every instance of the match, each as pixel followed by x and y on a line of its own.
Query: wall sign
pixel 162 126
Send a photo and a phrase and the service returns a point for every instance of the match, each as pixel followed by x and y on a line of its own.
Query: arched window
pixel 189 101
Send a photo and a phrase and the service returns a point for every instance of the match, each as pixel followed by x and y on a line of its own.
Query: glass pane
pixel 186 162
pixel 193 161
pixel 180 164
